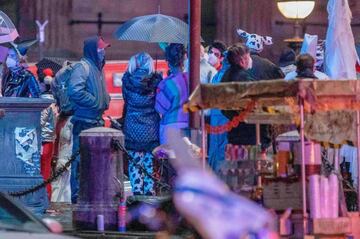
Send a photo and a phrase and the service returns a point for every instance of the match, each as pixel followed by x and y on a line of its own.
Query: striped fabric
pixel 172 93
pixel 154 28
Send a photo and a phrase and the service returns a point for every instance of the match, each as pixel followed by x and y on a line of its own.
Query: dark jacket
pixel 244 134
pixel 87 90
pixel 263 69
pixel 307 73
pixel 236 74
pixel 21 83
pixel 141 121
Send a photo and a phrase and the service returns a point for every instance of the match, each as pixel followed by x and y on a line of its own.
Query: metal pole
pixel 358 152
pixel 258 163
pixel 336 160
pixel 195 30
pixel 203 141
pixel 303 173
pixel 297 28
pixel 258 140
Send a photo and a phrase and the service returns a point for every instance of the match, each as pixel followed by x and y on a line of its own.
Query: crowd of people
pixel 152 104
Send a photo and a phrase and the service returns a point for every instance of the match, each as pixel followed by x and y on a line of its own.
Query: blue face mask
pixel 101 54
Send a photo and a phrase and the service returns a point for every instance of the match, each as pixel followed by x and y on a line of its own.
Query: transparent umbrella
pixel 8 32
pixel 154 28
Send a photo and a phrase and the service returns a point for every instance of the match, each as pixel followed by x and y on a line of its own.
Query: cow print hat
pixel 254 41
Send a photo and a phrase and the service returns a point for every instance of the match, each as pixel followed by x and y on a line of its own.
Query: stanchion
pixel 303 173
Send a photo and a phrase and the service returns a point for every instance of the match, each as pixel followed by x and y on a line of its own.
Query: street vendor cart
pixel 325 111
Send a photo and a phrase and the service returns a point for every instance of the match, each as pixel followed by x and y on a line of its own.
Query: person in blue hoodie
pixel 141 121
pixel 88 94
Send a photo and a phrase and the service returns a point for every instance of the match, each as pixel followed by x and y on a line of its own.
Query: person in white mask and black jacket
pixel 240 62
pixel 17 81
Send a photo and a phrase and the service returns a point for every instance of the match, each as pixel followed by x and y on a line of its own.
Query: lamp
pixel 296 10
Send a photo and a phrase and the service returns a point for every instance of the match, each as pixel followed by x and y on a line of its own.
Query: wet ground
pixel 62 212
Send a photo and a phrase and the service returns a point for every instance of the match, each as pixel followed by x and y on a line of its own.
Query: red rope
pixel 231 124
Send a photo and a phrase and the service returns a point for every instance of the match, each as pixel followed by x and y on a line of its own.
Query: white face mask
pixel 213 60
pixel 186 65
pixel 11 63
pixel 48 80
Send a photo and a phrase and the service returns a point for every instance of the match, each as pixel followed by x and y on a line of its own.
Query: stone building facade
pixel 220 18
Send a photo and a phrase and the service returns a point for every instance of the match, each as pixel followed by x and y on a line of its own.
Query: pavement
pixel 62 212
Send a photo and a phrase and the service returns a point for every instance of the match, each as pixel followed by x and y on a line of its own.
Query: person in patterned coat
pixel 141 121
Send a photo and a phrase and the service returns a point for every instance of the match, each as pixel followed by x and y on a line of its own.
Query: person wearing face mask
pixel 87 92
pixel 262 68
pixel 240 62
pixel 18 81
pixel 207 71
pixel 216 54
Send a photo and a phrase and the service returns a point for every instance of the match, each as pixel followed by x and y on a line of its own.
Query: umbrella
pixel 8 32
pixel 154 28
pixel 340 57
pixel 3 53
pixel 55 64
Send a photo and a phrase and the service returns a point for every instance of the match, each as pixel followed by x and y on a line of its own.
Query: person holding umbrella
pixel 173 92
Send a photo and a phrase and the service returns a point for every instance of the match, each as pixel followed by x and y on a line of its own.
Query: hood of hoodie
pixel 90 52
pixel 141 82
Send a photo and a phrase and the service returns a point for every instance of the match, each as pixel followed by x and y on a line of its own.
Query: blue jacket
pixel 141 121
pixel 86 89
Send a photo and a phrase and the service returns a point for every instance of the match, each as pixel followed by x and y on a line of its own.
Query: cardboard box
pixel 332 226
pixel 282 195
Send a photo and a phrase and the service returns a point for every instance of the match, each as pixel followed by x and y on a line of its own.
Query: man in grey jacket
pixel 88 94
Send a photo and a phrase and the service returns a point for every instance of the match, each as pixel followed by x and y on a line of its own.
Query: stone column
pixel 58 35
pixel 20 148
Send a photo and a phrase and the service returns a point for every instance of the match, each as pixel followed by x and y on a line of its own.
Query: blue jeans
pixel 78 126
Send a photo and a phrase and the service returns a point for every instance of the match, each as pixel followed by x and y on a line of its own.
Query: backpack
pixel 59 87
